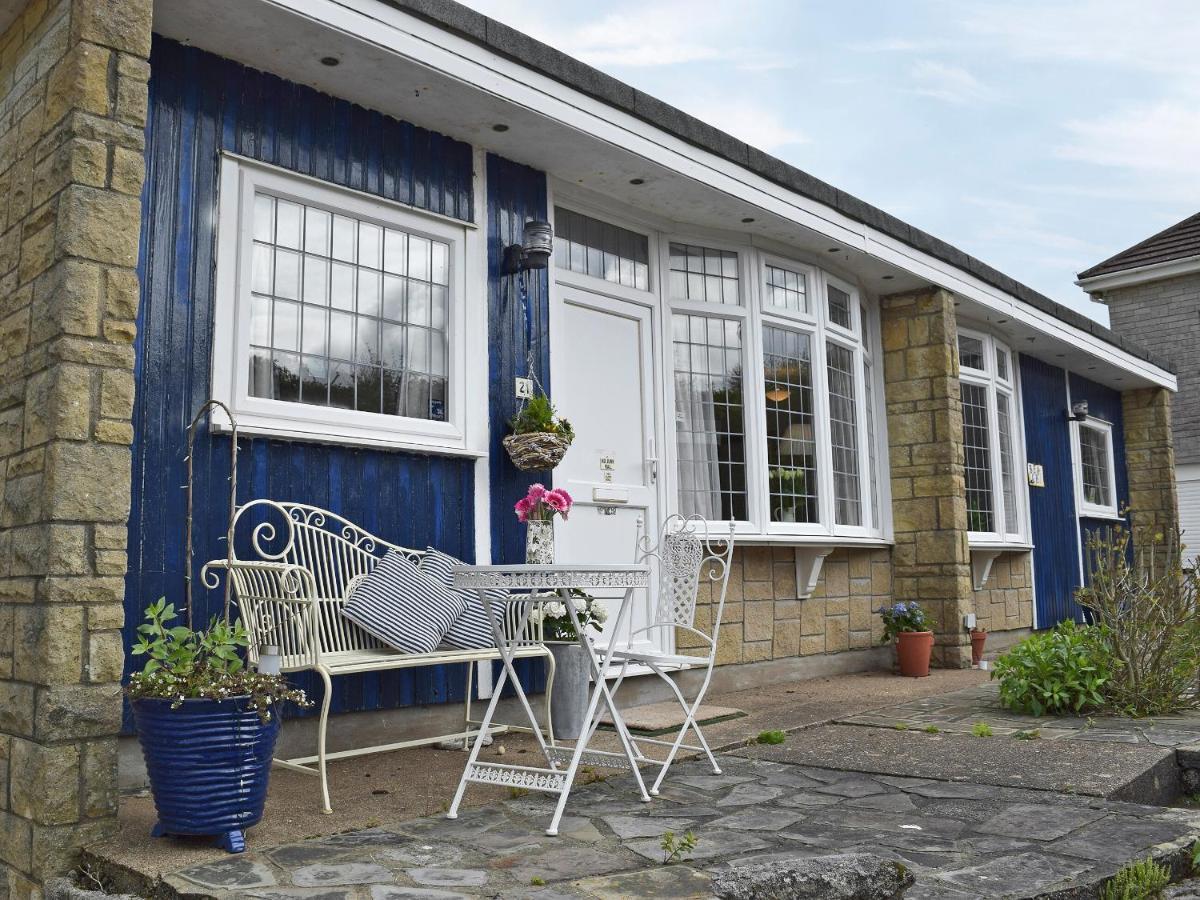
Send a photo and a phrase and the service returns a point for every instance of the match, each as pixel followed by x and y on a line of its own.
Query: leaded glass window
pixel 791 445
pixel 709 421
pixel 703 274
pixel 1095 466
pixel 843 430
pixel 600 249
pixel 347 313
pixel 977 458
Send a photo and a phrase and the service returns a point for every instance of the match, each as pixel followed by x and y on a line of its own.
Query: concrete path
pixel 961 840
pixel 957 712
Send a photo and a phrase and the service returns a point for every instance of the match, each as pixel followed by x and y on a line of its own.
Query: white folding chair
pixel 683 555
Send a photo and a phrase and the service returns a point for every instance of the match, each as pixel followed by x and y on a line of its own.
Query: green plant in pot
pixel 906 625
pixel 540 436
pixel 207 725
pixel 569 699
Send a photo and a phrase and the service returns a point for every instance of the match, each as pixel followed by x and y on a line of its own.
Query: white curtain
pixel 696 430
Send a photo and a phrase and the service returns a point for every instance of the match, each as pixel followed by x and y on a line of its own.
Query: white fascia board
pixel 1186 265
pixel 482 69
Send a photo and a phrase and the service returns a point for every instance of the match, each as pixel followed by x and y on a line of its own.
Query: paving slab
pixel 667 717
pixel 959 839
pixel 1141 773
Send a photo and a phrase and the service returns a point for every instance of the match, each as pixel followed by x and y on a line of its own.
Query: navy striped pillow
pixel 403 607
pixel 471 630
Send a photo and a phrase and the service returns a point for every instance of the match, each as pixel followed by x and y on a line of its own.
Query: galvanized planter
pixel 209 762
pixel 572 678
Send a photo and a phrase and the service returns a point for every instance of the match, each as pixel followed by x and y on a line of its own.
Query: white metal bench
pixel 291 596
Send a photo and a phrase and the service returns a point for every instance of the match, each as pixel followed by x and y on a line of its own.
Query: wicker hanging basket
pixel 537 450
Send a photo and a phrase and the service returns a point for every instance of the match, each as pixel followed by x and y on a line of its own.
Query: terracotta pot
pixel 913 649
pixel 978 639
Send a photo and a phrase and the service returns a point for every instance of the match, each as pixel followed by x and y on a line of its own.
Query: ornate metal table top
pixel 566 575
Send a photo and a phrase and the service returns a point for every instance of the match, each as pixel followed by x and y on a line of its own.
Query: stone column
pixel 1150 463
pixel 931 562
pixel 73 100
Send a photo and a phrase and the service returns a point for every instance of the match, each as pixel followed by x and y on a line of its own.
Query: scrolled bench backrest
pixel 333 550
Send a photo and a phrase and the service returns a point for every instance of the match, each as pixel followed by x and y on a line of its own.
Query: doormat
pixel 654 719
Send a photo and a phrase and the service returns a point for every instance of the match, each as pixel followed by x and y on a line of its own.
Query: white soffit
pixel 412 69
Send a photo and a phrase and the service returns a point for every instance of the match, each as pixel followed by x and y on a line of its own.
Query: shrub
pixel 1063 670
pixel 1146 605
pixel 1141 880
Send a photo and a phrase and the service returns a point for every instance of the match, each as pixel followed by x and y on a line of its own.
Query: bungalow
pixel 308 209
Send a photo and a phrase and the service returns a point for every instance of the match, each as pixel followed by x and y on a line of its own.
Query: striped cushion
pixel 471 630
pixel 403 607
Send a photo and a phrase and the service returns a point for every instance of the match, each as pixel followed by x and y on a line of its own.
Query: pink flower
pixel 536 492
pixel 523 508
pixel 559 501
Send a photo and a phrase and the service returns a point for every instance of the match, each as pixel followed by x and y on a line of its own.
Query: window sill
pixel 1014 546
pixel 281 433
pixel 1107 515
pixel 810 540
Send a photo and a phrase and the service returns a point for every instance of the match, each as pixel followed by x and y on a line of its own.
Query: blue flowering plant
pixel 902 617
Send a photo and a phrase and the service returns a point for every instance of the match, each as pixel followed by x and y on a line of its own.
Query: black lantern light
pixel 537 243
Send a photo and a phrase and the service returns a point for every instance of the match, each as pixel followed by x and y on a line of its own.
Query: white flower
pixel 599 614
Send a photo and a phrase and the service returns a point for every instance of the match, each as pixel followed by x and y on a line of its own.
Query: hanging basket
pixel 536 450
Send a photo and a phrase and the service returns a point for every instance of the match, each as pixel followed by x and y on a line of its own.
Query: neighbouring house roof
pixel 1180 241
pixel 567 70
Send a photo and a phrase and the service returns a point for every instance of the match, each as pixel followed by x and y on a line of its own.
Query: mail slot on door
pixel 609 495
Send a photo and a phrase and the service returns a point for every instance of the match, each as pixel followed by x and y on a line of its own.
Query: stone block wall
pixel 763 619
pixel 1165 315
pixel 1006 601
pixel 73 88
pixel 931 560
pixel 1150 462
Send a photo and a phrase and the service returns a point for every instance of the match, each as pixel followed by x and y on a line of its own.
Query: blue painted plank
pixel 1052 508
pixel 201 105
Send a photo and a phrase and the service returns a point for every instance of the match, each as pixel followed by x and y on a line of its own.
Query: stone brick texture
pixel 1006 601
pixel 1165 315
pixel 763 618
pixel 1150 462
pixel 73 88
pixel 931 561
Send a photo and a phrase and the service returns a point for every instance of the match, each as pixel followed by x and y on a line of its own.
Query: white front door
pixel 602 372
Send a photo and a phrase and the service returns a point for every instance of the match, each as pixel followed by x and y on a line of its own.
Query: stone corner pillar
pixel 1150 462
pixel 931 562
pixel 73 106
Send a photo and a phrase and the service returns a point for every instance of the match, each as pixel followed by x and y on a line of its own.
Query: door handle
pixel 651 462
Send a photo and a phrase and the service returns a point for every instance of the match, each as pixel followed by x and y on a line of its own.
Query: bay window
pixel 774 423
pixel 995 506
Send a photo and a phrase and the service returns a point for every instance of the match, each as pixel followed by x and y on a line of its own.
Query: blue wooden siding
pixel 201 105
pixel 518 322
pixel 1058 534
pixel 1103 403
pixel 1052 508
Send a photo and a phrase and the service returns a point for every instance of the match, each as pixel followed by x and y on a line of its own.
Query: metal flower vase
pixel 539 542
pixel 569 700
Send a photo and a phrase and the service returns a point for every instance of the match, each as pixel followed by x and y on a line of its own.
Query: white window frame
pixel 753 313
pixel 1086 509
pixel 989 378
pixel 240 179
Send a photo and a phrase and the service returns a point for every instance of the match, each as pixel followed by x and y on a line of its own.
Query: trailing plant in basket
pixel 184 664
pixel 540 417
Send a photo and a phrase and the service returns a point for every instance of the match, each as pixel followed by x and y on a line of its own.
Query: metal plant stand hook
pixel 206 409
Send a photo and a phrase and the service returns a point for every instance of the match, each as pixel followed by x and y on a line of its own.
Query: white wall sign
pixel 1037 475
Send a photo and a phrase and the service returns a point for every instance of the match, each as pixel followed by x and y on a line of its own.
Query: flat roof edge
pixel 552 63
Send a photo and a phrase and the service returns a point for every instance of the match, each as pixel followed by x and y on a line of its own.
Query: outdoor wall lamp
pixel 537 243
pixel 1079 411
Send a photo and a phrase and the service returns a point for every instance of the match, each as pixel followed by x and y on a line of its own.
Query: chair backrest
pixel 686 554
pixel 331 549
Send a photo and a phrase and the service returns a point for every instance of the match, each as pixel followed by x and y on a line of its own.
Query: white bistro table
pixel 528 586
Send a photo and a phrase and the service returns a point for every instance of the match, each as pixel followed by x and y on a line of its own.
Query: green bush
pixel 1059 671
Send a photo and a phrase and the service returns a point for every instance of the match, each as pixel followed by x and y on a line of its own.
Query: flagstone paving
pixel 959 839
pixel 957 712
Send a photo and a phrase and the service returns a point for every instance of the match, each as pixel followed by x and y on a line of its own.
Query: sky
pixel 1040 136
